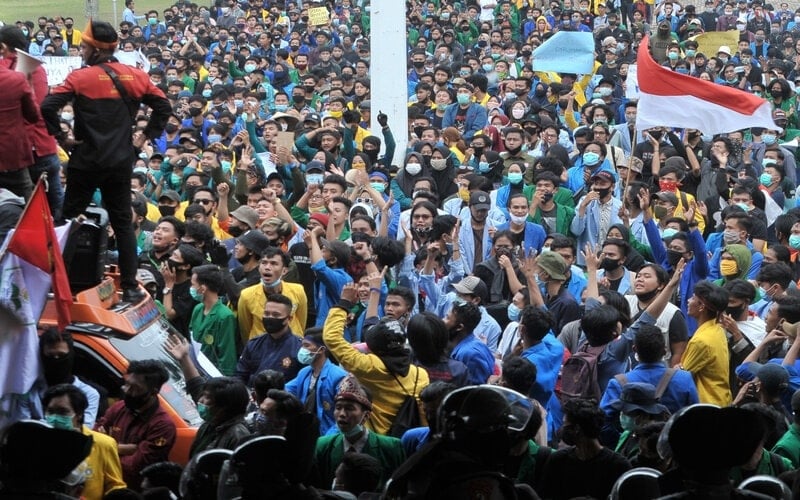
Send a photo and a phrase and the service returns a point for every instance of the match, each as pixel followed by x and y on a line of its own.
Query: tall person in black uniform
pixel 105 96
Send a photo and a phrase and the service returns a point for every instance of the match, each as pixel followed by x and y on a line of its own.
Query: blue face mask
pixel 305 357
pixel 765 179
pixel 207 93
pixel 794 241
pixel 488 67
pixel 196 295
pixel 769 139
pixel 668 233
pixel 249 68
pixel 175 179
pixel 483 167
pixel 226 166
pixel 515 177
pixel 281 107
pixel 378 186
pixel 513 312
pixel 212 138
pixel 590 158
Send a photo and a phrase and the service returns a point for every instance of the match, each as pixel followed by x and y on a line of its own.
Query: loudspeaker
pixel 84 253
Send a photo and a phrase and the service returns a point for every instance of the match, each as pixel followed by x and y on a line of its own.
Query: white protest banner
pixel 632 83
pixel 58 68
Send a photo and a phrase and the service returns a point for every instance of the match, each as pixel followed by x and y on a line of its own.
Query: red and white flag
pixel 31 264
pixel 670 99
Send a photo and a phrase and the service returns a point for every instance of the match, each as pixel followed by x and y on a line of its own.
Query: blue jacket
pixel 488 330
pixel 587 228
pixel 744 373
pixel 696 270
pixel 575 180
pixel 534 235
pixel 478 358
pixel 475 119
pixel 680 393
pixel 547 356
pixel 756 258
pixel 327 385
pixel 328 287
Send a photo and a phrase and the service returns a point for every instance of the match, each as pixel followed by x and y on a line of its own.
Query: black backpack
pixel 408 414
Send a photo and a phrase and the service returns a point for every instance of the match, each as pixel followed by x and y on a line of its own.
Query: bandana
pixel 87 37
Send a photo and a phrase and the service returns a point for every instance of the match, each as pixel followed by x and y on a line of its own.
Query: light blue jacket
pixel 327 385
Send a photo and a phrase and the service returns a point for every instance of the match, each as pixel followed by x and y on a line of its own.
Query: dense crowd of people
pixel 540 300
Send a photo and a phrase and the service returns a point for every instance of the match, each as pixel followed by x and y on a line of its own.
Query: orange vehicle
pixel 108 334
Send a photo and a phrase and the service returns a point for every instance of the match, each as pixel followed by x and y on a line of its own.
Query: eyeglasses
pixel 204 202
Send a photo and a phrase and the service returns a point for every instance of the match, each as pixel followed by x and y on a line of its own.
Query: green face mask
pixel 204 411
pixel 59 421
pixel 627 422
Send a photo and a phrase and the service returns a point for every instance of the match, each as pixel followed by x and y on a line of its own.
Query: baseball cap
pixel 668 196
pixel 170 194
pixel 605 175
pixel 254 240
pixel 553 264
pixel 275 176
pixel 773 377
pixel 315 165
pixel 480 200
pixel 145 277
pixel 311 117
pixel 247 215
pixel 472 285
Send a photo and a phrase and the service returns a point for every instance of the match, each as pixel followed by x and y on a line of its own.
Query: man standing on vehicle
pixel 106 96
pixel 143 430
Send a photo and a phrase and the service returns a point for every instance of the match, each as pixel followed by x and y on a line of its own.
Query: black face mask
pixel 610 264
pixel 478 150
pixel 540 92
pixel 603 192
pixel 673 257
pixel 373 155
pixel 299 99
pixel 136 402
pixel 648 296
pixel 170 128
pixel 308 88
pixel 59 370
pixel 656 134
pixel 418 64
pixel 513 152
pixel 418 131
pixel 273 325
pixel 735 312
pixel 173 264
pixel 166 210
pixel 235 231
pixel 547 197
pixel 520 92
pixel 195 112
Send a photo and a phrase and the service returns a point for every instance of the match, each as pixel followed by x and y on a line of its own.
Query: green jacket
pixel 563 195
pixel 216 332
pixel 788 446
pixel 532 464
pixel 771 464
pixel 564 216
pixel 330 450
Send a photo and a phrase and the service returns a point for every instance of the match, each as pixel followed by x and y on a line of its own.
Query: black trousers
pixel 115 187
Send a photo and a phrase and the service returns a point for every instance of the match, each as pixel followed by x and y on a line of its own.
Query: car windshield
pixel 149 344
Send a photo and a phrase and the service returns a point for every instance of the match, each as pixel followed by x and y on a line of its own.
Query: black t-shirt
pixel 566 476
pixel 183 303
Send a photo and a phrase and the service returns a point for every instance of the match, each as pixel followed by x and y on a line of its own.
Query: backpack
pixel 408 414
pixel 579 374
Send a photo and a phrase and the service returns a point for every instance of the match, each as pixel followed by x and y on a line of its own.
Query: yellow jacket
pixel 706 357
pixel 387 395
pixel 251 310
pixel 103 468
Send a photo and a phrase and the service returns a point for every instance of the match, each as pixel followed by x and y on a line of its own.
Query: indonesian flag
pixel 670 99
pixel 30 265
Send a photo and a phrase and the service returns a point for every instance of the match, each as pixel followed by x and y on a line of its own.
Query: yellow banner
pixel 318 16
pixel 709 43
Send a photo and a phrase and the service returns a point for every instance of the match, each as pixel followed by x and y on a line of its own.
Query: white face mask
pixel 438 163
pixel 413 168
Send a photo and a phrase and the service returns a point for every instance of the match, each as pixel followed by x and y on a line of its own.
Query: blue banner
pixel 566 52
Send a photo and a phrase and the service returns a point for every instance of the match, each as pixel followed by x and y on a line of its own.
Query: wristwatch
pixel 166 290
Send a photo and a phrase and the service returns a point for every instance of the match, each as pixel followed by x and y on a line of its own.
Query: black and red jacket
pixel 103 123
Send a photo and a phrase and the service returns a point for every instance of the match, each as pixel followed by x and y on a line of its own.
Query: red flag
pixel 34 240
